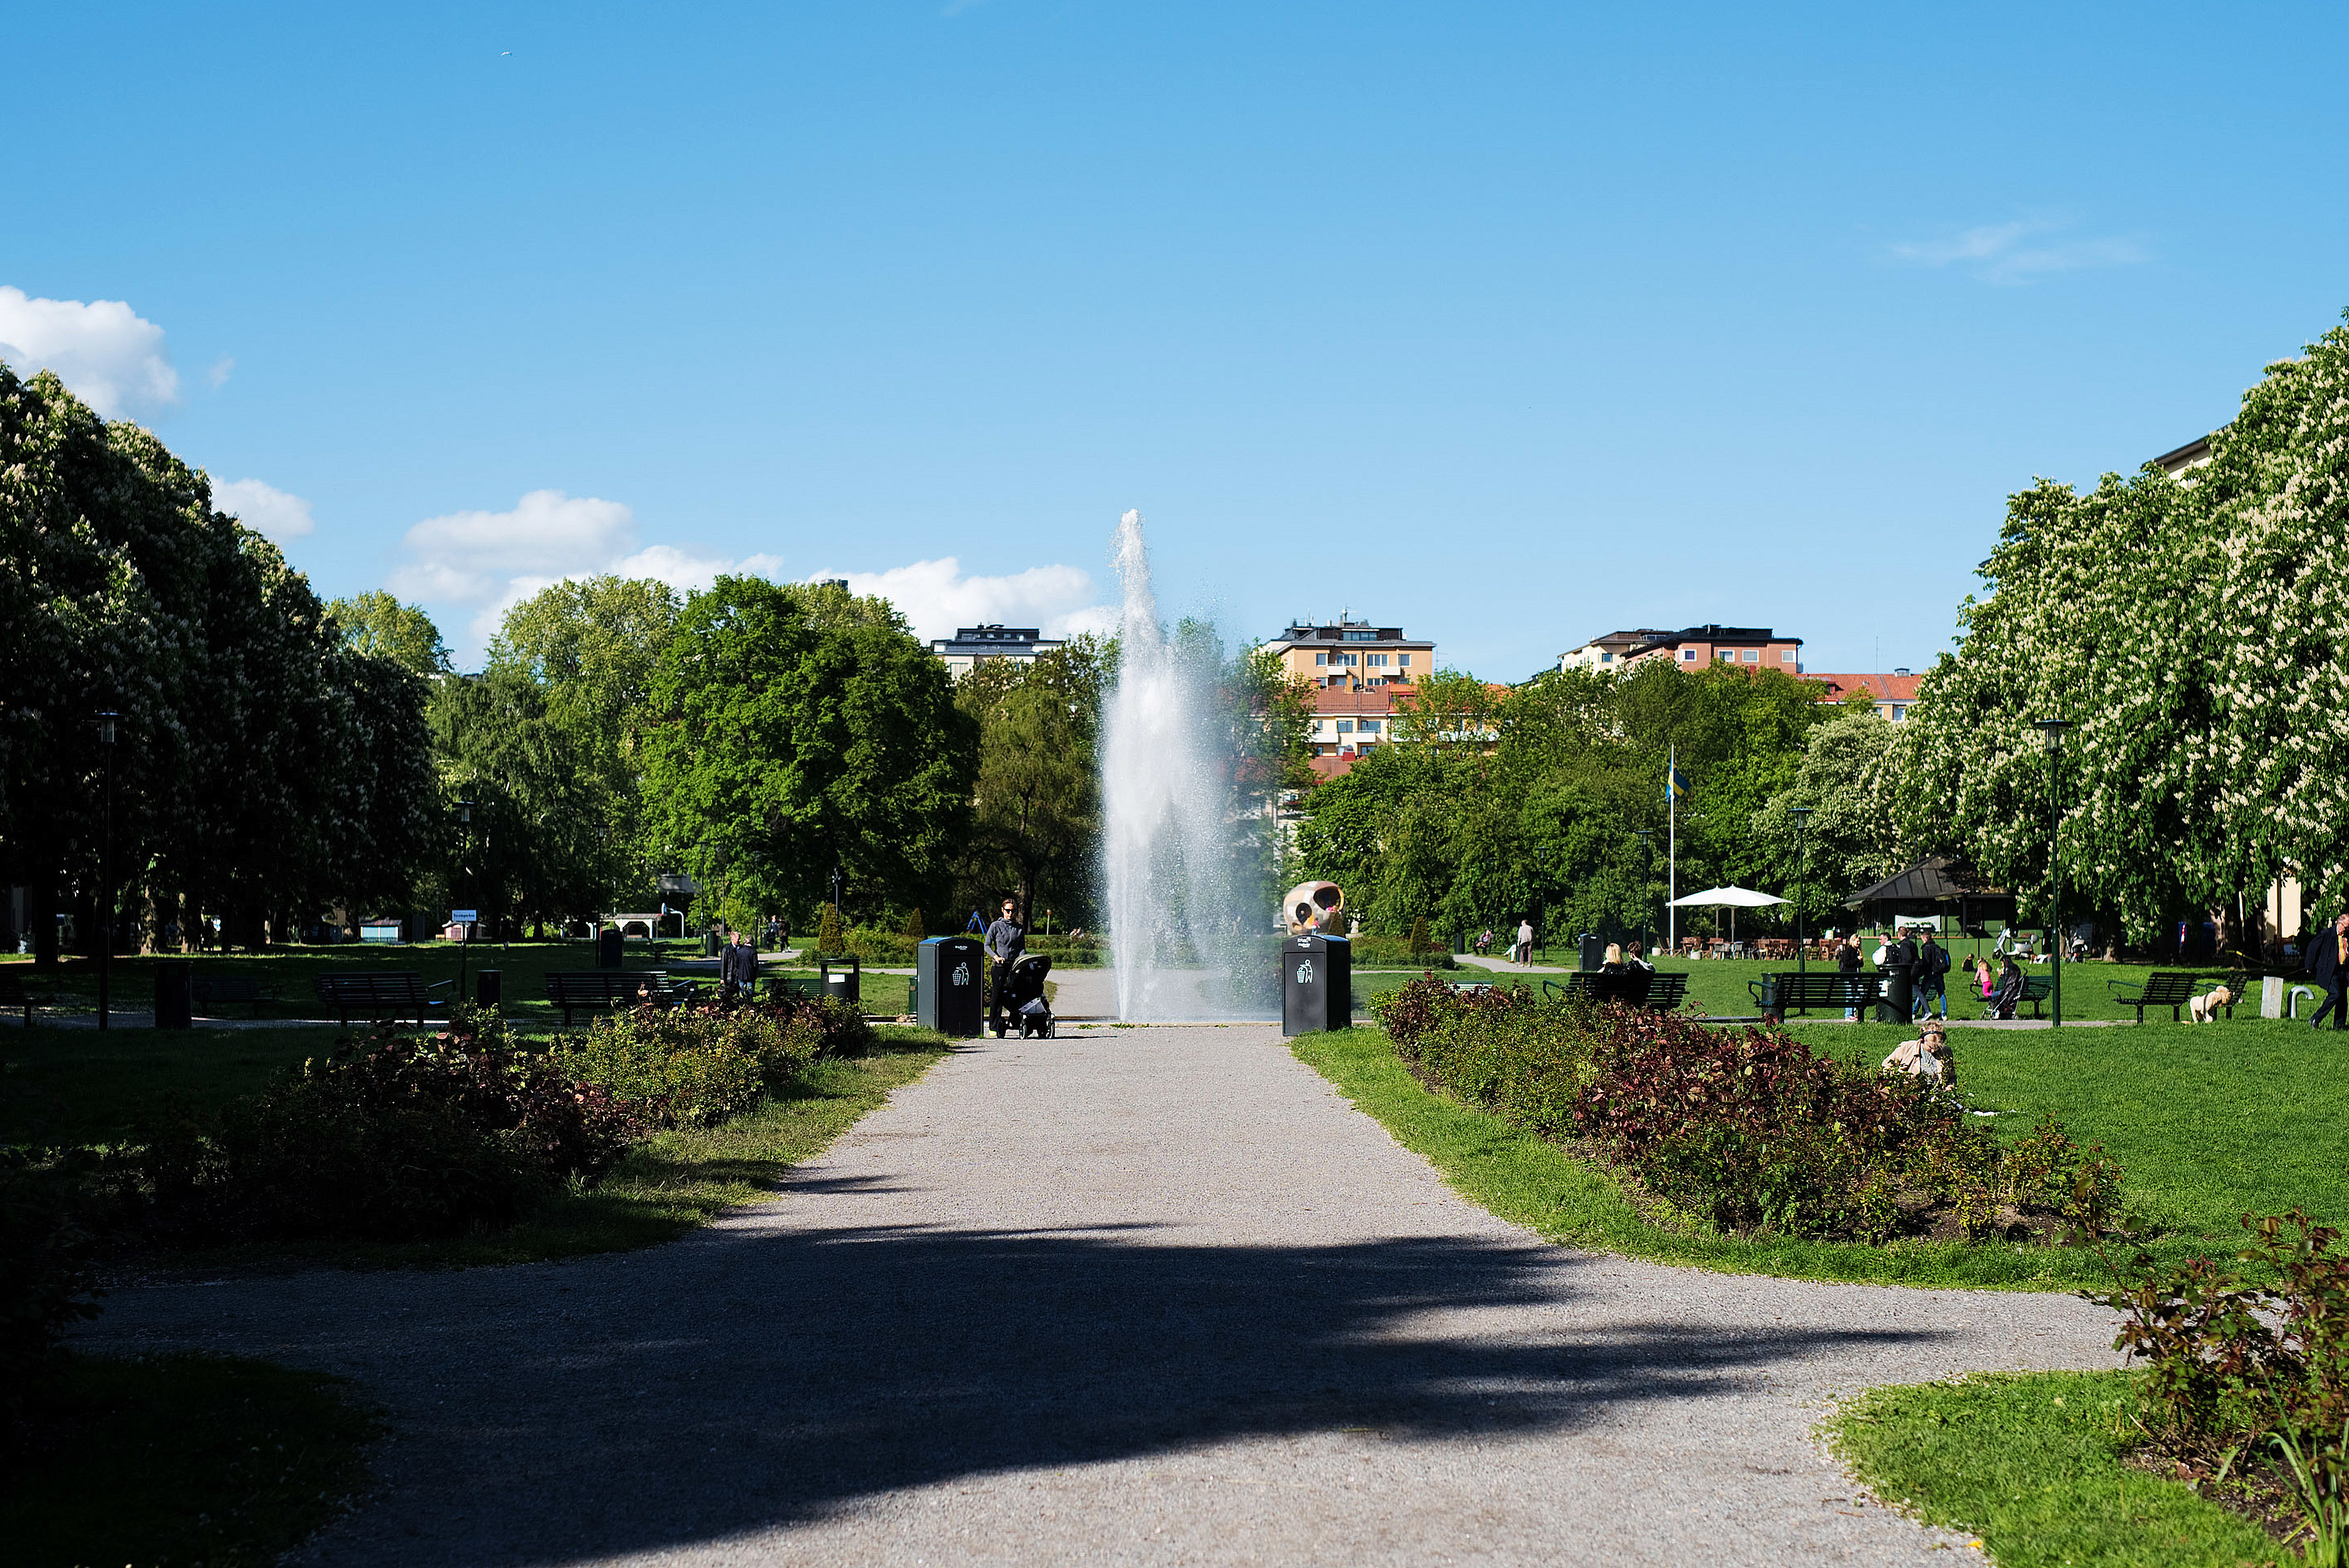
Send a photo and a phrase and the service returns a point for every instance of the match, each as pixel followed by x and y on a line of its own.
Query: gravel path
pixel 1142 1296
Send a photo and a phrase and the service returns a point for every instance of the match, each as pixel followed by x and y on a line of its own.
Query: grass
pixel 181 1458
pixel 78 1085
pixel 2033 1464
pixel 2206 1123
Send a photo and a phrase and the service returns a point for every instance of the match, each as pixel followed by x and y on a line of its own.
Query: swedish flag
pixel 1676 784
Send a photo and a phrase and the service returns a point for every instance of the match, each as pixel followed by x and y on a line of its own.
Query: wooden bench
pixel 383 994
pixel 14 994
pixel 2165 988
pixel 219 990
pixel 1657 991
pixel 606 990
pixel 1805 989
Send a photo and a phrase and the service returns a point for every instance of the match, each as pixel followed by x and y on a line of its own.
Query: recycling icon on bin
pixel 1305 973
pixel 962 975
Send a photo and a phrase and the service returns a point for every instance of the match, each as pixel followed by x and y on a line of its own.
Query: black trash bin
pixel 1317 984
pixel 1590 953
pixel 175 995
pixel 949 989
pixel 1899 992
pixel 843 984
pixel 607 949
pixel 489 987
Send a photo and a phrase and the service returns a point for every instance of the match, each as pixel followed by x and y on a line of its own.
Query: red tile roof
pixel 1883 688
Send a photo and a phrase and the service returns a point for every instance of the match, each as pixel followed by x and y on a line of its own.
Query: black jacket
pixel 739 964
pixel 2324 958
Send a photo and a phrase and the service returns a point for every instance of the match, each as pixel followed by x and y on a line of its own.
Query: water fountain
pixel 1167 844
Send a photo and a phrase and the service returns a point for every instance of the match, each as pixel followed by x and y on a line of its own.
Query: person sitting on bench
pixel 2002 1001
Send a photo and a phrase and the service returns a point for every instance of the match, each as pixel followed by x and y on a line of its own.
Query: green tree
pixel 1850 840
pixel 375 623
pixel 794 728
pixel 1036 820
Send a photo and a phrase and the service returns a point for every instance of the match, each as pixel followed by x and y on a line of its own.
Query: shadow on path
pixel 761 1377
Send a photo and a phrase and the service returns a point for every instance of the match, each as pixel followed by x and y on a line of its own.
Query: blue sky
pixel 1508 323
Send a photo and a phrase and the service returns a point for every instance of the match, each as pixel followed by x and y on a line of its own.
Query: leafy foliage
pixel 47 1279
pixel 795 728
pixel 696 1067
pixel 2250 1376
pixel 391 1138
pixel 1747 1130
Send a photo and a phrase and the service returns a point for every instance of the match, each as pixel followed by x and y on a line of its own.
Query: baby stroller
pixel 1025 997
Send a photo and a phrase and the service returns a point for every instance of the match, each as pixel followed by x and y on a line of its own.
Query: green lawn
pixel 2206 1123
pixel 180 1459
pixel 78 1085
pixel 2031 1464
pixel 291 973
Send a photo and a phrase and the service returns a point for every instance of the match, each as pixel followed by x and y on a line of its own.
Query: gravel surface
pixel 1137 1296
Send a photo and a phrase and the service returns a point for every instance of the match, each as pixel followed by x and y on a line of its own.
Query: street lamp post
pixel 465 943
pixel 105 869
pixel 2053 729
pixel 1801 815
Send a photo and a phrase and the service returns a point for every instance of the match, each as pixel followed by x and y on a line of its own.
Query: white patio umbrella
pixel 1733 899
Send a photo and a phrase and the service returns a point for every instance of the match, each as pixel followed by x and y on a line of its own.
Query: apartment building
pixel 1893 694
pixel 1349 653
pixel 971 646
pixel 1691 647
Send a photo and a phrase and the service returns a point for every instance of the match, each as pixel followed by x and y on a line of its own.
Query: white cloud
pixel 265 509
pixel 662 562
pixel 109 355
pixel 547 534
pixel 936 597
pixel 2008 254
pixel 217 373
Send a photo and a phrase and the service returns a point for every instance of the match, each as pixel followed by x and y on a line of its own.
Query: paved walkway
pixel 1137 1296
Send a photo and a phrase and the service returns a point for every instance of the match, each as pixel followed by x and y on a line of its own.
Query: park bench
pixel 1805 989
pixel 383 994
pixel 2162 989
pixel 606 990
pixel 221 990
pixel 13 995
pixel 1657 991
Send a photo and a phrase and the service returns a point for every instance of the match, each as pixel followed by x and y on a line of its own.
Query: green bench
pixel 2164 988
pixel 607 990
pixel 381 994
pixel 1802 990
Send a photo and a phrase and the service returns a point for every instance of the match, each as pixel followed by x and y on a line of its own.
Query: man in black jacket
pixel 1007 939
pixel 737 968
pixel 2328 965
pixel 1933 965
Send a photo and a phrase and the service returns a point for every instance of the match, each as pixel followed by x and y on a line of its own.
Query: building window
pixel 1688 655
pixel 1606 658
pixel 1321 659
pixel 1378 661
pixel 1348 658
pixel 1370 726
pixel 1345 726
pixel 1402 661
pixel 1752 654
pixel 1900 710
pixel 1729 655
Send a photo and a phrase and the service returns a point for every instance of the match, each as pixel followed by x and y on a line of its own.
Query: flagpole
pixel 1672 852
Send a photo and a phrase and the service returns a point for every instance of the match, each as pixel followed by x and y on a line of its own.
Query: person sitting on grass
pixel 1927 1057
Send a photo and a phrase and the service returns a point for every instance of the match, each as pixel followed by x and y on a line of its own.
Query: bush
pixel 876 947
pixel 389 1139
pixel 827 931
pixel 45 1277
pixel 693 1067
pixel 1397 953
pixel 1747 1130
pixel 2251 1379
pixel 916 931
pixel 1420 939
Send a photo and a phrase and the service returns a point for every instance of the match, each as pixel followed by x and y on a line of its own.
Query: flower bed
pixel 1748 1130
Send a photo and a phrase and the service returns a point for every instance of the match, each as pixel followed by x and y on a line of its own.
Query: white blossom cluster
pixel 2197 636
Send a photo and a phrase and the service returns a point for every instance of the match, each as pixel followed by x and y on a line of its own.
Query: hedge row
pixel 1747 1131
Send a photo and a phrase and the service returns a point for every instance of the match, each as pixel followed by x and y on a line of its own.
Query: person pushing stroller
pixel 1007 939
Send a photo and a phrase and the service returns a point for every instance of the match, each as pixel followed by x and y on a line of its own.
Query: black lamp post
pixel 1801 815
pixel 2053 729
pixel 1646 869
pixel 106 868
pixel 465 943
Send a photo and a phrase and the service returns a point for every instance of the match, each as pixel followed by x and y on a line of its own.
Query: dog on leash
pixel 2206 1008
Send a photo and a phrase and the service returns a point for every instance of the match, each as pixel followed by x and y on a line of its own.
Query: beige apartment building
pixel 1351 653
pixel 1691 647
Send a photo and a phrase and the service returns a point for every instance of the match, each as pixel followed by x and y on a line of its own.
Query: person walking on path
pixel 1932 965
pixel 1007 939
pixel 2328 966
pixel 737 969
pixel 1525 948
pixel 1847 966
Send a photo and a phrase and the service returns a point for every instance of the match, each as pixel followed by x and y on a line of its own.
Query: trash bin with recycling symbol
pixel 1317 984
pixel 949 990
